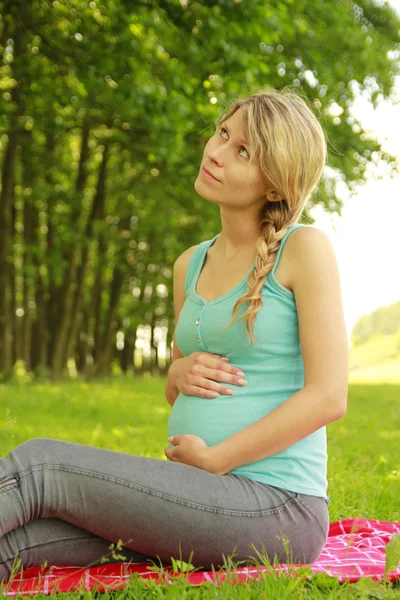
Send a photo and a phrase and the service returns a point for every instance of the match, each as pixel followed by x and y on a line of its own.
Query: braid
pixel 291 147
pixel 274 227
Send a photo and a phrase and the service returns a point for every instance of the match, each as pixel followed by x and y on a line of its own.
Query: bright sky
pixel 366 237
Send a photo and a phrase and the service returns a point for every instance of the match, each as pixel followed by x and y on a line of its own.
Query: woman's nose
pixel 215 154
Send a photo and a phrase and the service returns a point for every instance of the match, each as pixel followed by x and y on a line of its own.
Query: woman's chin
pixel 204 191
pixel 199 185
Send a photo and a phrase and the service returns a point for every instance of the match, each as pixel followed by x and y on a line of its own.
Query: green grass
pixel 131 416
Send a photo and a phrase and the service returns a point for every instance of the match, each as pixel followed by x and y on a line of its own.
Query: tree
pixel 104 113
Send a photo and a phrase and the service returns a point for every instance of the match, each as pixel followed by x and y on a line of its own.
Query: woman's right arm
pixel 198 373
pixel 179 276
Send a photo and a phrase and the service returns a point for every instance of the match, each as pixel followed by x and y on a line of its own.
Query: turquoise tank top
pixel 273 367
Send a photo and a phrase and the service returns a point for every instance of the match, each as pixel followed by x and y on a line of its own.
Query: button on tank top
pixel 273 367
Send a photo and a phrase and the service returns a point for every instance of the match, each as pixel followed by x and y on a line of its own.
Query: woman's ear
pixel 273 196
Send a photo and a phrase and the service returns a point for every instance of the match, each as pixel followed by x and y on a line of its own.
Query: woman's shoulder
pixel 308 246
pixel 183 260
pixel 306 237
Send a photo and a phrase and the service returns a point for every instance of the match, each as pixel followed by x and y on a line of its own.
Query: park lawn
pixel 131 416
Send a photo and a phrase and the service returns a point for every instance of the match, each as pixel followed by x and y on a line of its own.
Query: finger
pixel 203 390
pixel 214 389
pixel 217 356
pixel 209 389
pixel 195 385
pixel 224 366
pixel 216 375
pixel 204 380
pixel 204 383
pixel 169 455
pixel 210 360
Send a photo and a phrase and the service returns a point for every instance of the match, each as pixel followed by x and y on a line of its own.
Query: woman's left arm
pixel 324 344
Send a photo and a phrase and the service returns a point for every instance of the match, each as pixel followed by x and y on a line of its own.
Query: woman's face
pixel 234 180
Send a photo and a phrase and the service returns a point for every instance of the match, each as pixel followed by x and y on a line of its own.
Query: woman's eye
pixel 222 131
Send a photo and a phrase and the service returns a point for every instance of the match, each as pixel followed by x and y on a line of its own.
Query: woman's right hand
pixel 198 373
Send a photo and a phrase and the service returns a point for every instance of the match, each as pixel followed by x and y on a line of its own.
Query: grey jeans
pixel 65 503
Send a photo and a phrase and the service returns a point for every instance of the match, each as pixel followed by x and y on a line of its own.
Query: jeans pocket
pixel 317 508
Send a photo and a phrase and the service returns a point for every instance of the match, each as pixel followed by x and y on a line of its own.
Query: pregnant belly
pixel 214 420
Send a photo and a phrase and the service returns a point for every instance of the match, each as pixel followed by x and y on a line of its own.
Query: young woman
pixel 260 367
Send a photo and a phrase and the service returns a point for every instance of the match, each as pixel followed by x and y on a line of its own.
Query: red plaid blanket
pixel 355 548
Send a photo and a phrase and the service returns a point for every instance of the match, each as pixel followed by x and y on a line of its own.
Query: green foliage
pixel 392 551
pixel 381 322
pixel 179 566
pixel 20 374
pixel 109 106
pixel 325 581
pixel 370 590
pixel 379 349
pixel 116 552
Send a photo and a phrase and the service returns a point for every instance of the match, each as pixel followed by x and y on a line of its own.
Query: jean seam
pixel 312 511
pixel 66 539
pixel 150 492
pixel 8 488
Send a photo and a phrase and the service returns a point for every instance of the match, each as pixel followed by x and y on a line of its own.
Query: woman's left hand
pixel 188 449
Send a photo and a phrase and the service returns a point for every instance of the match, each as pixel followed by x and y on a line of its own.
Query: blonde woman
pixel 260 367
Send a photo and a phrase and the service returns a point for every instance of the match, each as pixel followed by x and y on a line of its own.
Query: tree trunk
pixel 70 288
pixel 96 295
pixel 106 348
pixel 82 349
pixel 126 361
pixel 6 202
pixel 155 368
pixel 97 300
pixel 12 325
pixel 39 358
pixel 30 220
pixel 45 288
pixel 76 217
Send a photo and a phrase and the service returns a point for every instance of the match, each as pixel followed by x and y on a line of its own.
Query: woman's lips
pixel 208 175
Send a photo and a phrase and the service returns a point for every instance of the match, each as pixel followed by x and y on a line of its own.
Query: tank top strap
pixel 196 260
pixel 283 241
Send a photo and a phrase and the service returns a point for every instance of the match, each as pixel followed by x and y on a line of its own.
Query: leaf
pixel 370 589
pixel 179 566
pixel 305 571
pixel 325 581
pixel 392 552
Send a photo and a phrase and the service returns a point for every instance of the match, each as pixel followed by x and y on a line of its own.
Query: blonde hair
pixel 290 145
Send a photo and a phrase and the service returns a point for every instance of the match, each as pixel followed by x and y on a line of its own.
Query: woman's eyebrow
pixel 242 140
